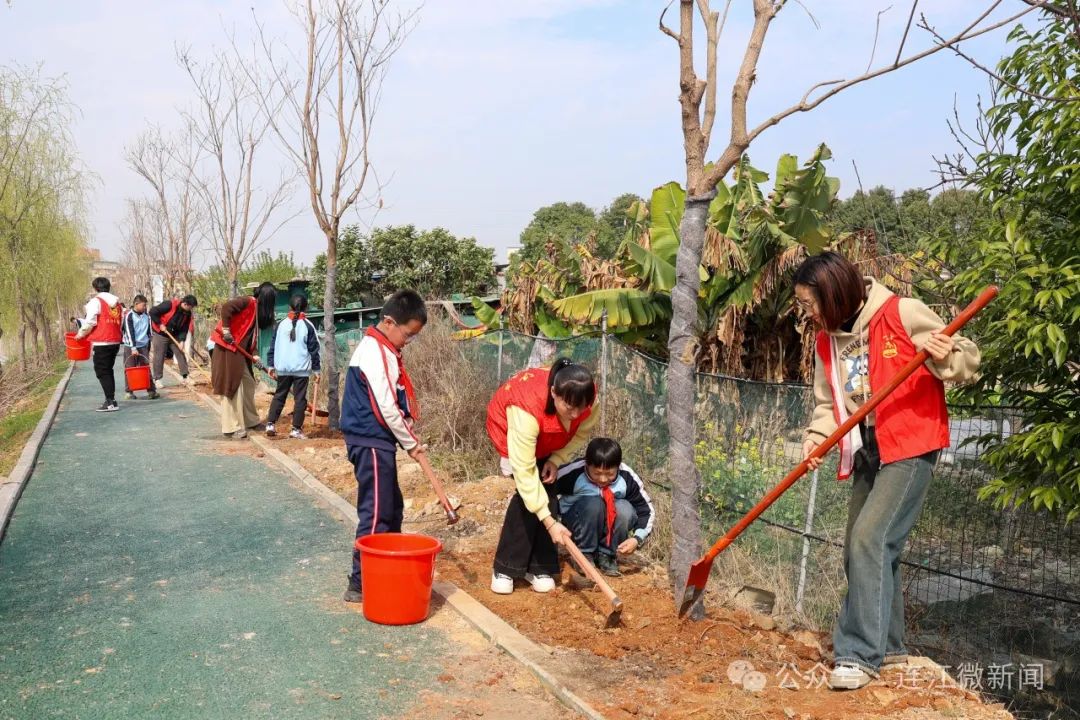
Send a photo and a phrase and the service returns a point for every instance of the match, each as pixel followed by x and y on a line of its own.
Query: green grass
pixel 16 428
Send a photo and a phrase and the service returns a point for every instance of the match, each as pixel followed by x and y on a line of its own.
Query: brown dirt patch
pixel 654 666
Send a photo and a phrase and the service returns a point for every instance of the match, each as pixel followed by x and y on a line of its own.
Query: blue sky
pixel 494 108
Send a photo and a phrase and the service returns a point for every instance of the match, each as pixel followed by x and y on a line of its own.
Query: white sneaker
pixel 848 677
pixel 270 431
pixel 540 583
pixel 297 434
pixel 501 584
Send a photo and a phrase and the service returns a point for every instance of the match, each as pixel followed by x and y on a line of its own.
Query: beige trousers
pixel 239 411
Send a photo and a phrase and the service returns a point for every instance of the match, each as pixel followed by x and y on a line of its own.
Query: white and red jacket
pixel 104 313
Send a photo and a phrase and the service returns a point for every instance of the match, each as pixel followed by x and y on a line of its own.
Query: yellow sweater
pixel 522 432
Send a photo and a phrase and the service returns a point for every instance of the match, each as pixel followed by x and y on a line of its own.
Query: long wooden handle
pixel 588 568
pixel 180 348
pixel 436 485
pixel 969 312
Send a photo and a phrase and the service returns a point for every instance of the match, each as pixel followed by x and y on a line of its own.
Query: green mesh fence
pixel 984 587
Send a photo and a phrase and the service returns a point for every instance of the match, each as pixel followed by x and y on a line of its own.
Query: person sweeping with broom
pixel 867 334
pixel 537 420
pixel 236 342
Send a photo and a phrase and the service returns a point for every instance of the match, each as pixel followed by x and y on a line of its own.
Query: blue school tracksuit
pixel 376 419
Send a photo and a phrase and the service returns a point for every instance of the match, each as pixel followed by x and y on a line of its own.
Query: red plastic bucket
pixel 76 349
pixel 138 375
pixel 396 571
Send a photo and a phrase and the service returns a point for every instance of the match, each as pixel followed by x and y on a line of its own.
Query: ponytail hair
pixel 571 382
pixel 298 305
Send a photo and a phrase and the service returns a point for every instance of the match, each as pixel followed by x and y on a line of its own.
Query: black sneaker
pixel 352 596
pixel 108 406
pixel 608 565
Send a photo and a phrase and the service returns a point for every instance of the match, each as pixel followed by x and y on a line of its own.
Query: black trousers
pixel 104 360
pixel 524 543
pixel 298 385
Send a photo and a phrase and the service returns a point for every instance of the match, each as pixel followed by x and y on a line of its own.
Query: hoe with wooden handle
pixel 615 616
pixel 699 571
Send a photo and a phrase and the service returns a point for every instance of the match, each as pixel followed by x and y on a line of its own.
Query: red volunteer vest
pixel 913 420
pixel 108 329
pixel 239 326
pixel 168 316
pixel 528 390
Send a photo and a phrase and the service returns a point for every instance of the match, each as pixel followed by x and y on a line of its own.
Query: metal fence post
pixel 603 373
pixel 498 372
pixel 808 527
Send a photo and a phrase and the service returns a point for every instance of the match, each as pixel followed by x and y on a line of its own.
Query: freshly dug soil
pixel 733 664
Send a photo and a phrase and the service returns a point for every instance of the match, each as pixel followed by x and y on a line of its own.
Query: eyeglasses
pixel 406 336
pixel 805 305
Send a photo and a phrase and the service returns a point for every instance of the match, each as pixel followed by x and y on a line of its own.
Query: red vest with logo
pixel 528 390
pixel 108 329
pixel 239 326
pixel 913 420
pixel 168 316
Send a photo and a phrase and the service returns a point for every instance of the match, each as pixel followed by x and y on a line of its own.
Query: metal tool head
pixel 614 618
pixel 695 584
pixel 451 516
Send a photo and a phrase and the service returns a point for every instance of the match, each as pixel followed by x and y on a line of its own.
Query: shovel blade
pixel 695 584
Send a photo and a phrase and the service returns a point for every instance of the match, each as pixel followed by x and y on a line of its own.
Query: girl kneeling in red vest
pixel 537 420
pixel 867 335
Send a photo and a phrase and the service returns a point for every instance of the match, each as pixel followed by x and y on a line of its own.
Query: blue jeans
pixel 587 520
pixel 886 500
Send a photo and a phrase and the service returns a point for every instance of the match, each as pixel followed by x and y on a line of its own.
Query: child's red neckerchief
pixel 403 376
pixel 296 316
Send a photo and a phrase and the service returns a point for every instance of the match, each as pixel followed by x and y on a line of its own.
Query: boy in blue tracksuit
pixel 377 415
pixel 135 339
pixel 293 358
pixel 605 505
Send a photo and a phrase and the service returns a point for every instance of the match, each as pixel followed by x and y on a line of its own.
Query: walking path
pixel 153 569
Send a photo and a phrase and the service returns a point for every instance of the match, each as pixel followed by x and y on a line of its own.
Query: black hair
pixel 298 304
pixel 101 284
pixel 190 300
pixel 138 299
pixel 573 383
pixel 404 306
pixel 603 453
pixel 266 299
pixel 836 285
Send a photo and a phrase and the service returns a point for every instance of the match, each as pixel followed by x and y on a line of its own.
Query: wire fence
pixel 984 587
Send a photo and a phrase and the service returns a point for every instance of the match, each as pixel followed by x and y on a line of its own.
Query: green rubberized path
pixel 152 571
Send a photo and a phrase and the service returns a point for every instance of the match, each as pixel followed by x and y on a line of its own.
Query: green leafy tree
pixel 1030 336
pixel 213 286
pixel 613 222
pixel 435 263
pixel 569 222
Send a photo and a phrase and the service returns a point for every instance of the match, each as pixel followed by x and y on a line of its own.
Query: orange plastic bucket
pixel 76 349
pixel 396 571
pixel 138 375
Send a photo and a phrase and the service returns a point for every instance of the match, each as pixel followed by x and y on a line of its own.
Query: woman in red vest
pixel 867 334
pixel 537 420
pixel 236 346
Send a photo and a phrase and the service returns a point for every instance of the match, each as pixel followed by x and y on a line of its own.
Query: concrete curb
pixel 490 625
pixel 11 488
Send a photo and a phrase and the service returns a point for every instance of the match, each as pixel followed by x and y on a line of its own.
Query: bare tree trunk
pixel 681 405
pixel 329 359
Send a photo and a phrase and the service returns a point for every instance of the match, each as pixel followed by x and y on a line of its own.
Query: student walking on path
pixel 101 326
pixel 867 334
pixel 293 358
pixel 174 316
pixel 236 341
pixel 136 339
